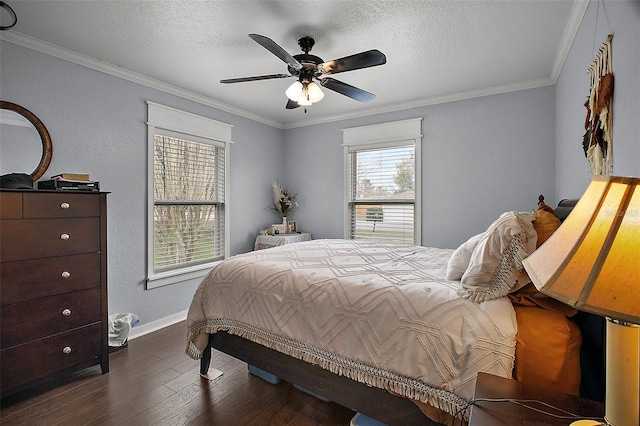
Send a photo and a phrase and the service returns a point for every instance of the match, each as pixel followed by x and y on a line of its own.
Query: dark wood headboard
pixel 564 208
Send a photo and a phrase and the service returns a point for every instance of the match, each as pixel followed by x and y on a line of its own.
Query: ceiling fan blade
pixel 292 104
pixel 370 58
pixel 274 48
pixel 347 89
pixel 256 78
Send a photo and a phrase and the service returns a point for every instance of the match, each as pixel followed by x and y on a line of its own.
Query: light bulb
pixel 294 92
pixel 304 100
pixel 314 92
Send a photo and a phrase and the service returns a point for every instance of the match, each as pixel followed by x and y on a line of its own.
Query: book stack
pixel 70 182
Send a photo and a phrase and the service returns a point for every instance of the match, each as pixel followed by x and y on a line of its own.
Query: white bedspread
pixel 381 314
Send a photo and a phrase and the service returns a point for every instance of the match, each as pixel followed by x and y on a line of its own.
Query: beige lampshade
pixel 592 262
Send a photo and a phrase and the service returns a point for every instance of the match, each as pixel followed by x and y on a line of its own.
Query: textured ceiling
pixel 436 50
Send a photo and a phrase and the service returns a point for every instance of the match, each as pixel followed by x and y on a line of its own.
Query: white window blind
pixel 382 200
pixel 382 181
pixel 188 212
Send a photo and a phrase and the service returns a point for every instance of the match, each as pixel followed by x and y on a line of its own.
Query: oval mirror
pixel 26 144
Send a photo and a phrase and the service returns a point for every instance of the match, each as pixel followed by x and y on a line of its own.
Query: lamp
pixel 304 93
pixel 592 262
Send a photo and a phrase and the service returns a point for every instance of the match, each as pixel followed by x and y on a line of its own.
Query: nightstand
pixel 267 241
pixel 506 413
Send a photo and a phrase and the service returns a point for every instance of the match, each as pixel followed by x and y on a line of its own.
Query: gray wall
pixel 97 125
pixel 480 158
pixel 572 89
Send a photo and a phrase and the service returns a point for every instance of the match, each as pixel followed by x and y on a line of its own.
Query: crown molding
pixel 107 68
pixel 570 30
pixel 460 96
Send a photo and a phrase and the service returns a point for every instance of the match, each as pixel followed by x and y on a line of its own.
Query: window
pixel 382 182
pixel 187 195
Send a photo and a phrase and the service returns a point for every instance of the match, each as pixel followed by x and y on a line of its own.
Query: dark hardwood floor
pixel 153 382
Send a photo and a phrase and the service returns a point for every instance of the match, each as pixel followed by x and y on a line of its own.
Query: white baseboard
pixel 150 327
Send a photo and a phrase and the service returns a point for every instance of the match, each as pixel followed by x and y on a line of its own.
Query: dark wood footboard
pixel 373 402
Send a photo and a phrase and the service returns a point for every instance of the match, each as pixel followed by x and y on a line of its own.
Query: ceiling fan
pixel 308 68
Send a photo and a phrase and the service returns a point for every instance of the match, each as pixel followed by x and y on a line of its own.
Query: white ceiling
pixel 436 50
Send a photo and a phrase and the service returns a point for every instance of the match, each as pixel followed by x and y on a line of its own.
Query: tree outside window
pixel 188 202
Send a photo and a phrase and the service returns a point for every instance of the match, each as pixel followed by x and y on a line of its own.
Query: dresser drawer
pixel 32 279
pixel 37 238
pixel 42 358
pixel 10 205
pixel 34 319
pixel 50 205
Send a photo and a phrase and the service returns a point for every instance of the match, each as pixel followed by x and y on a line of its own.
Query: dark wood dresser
pixel 53 285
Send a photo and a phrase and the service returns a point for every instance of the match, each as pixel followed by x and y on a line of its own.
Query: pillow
pixel 547 350
pixel 496 262
pixel 459 260
pixel 545 223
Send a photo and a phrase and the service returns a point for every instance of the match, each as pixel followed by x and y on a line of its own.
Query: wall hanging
pixel 598 138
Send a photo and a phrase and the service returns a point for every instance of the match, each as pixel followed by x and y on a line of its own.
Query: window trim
pixel 385 135
pixel 169 121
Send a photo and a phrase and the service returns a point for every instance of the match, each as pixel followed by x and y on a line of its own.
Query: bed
pixel 395 332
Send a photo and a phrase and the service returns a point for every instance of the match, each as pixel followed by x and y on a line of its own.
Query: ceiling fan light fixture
pixel 304 93
pixel 294 92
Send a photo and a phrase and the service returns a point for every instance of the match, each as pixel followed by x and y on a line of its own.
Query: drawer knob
pixel 64 206
pixel 66 350
pixel 66 274
pixel 64 236
pixel 66 312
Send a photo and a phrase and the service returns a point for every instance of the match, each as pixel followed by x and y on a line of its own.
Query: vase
pixel 285 226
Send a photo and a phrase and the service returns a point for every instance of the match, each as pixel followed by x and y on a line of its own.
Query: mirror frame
pixel 45 138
